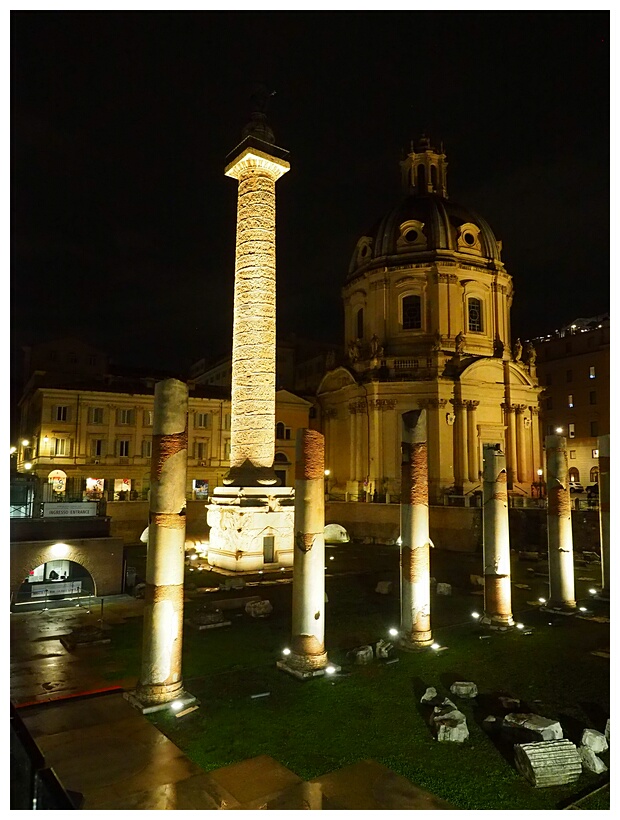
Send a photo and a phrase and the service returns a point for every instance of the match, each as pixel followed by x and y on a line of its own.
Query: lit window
pixel 62 447
pixel 592 372
pixel 570 400
pixel 62 413
pixel 474 313
pixel 412 313
pixel 595 453
pixel 571 430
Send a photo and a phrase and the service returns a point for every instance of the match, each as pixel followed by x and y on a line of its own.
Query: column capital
pixel 509 408
pixel 519 408
pixel 471 404
pixel 458 403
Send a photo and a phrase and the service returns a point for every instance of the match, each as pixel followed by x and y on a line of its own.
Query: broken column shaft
pixel 496 539
pixel 160 678
pixel 415 605
pixel 559 527
pixel 308 628
pixel 603 500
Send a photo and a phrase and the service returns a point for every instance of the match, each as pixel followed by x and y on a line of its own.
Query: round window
pixel 411 236
pixel 469 238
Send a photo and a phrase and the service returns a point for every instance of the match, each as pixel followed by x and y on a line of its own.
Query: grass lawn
pixel 374 712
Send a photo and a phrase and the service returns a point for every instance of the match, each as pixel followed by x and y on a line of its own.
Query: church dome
pixel 425 221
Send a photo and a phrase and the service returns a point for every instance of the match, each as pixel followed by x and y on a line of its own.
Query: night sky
pixel 123 224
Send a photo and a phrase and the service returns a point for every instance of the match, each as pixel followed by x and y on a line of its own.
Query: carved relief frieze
pixel 381 404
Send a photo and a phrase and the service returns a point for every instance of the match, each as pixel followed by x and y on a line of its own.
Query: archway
pixel 58 582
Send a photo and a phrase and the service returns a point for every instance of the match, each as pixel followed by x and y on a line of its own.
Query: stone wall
pixel 460 528
pixel 129 519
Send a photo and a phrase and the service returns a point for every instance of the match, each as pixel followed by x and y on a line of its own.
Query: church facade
pixel 427 325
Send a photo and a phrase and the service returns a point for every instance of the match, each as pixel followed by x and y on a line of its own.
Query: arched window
pixel 573 474
pixel 279 430
pixel 594 475
pixel 434 177
pixel 474 315
pixel 412 312
pixel 421 178
pixel 359 323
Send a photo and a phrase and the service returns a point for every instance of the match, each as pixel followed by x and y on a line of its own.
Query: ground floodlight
pixel 329 670
pixel 582 609
pixel 519 626
pixel 176 705
pixel 393 632
pixel 475 615
pixel 286 651
pixel 542 600
pixel 434 646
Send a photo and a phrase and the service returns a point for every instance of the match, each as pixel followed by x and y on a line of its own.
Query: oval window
pixel 469 238
pixel 411 236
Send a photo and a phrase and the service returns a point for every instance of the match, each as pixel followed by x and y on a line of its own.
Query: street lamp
pixel 25 442
pixel 13 450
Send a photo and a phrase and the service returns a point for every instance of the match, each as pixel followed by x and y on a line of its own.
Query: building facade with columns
pixel 427 325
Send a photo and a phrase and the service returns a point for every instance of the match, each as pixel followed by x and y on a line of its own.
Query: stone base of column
pixel 304 667
pixel 241 518
pixel 560 607
pixel 502 622
pixel 416 643
pixel 147 699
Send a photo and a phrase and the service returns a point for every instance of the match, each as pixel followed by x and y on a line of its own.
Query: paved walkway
pixel 106 750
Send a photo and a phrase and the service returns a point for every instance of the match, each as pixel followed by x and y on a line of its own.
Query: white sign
pixel 69 510
pixel 59 588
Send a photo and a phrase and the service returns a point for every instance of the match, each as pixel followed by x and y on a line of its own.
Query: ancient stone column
pixel 496 538
pixel 308 654
pixel 415 605
pixel 520 431
pixel 536 454
pixel 257 166
pixel 603 500
pixel 160 678
pixel 511 443
pixel 559 529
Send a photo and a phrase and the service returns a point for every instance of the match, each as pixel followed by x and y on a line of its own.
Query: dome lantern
pixel 424 170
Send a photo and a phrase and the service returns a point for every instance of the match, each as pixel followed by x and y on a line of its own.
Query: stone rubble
pixel 464 689
pixel 429 695
pixel 591 761
pixel 594 740
pixel 545 728
pixel 449 723
pixel 548 763
pixel 259 609
pixel 444 589
pixel 383 648
pixel 363 655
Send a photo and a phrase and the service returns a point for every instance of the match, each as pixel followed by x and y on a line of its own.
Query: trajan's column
pixel 251 518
